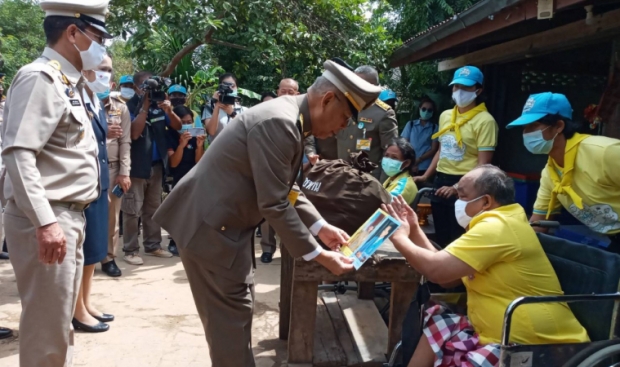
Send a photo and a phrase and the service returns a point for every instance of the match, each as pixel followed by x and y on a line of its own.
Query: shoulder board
pixel 118 99
pixel 55 64
pixel 383 105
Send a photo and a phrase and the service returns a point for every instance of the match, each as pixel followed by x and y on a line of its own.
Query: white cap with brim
pixel 93 12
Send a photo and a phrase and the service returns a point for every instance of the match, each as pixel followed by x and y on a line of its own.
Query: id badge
pixel 292 197
pixel 363 144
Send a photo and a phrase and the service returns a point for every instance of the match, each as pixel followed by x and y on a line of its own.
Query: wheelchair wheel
pixel 600 354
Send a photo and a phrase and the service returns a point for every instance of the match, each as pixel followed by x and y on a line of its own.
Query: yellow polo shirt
pixel 402 184
pixel 478 135
pixel 510 263
pixel 596 179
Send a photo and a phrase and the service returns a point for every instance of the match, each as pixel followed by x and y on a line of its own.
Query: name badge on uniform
pixel 156 119
pixel 363 144
pixel 75 102
pixel 366 120
pixel 292 197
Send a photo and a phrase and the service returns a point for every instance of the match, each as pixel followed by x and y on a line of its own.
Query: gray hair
pixel 322 85
pixel 369 74
pixel 495 183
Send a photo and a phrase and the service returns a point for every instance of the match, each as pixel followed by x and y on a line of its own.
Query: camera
pixel 155 86
pixel 227 95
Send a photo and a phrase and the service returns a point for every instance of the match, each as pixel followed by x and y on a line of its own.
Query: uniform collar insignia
pixel 72 74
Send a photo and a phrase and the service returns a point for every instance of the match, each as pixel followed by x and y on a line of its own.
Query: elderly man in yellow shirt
pixel 583 171
pixel 498 259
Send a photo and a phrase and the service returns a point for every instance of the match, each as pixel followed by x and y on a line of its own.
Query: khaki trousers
pixel 142 200
pixel 48 293
pixel 268 239
pixel 114 210
pixel 225 308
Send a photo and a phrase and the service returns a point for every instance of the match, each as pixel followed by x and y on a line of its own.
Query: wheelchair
pixel 590 279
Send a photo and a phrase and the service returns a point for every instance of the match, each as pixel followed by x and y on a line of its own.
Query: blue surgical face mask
pixel 103 95
pixel 426 115
pixel 391 167
pixel 536 143
pixel 127 93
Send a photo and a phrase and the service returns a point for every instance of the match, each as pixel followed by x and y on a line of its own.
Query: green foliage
pixel 21 34
pixel 121 59
pixel 406 18
pixel 278 38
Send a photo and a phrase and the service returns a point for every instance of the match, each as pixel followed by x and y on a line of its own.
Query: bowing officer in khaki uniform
pixel 51 175
pixel 376 127
pixel 251 168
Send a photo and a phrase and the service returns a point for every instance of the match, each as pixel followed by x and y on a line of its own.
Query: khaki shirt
pixel 49 147
pixel 376 124
pixel 119 149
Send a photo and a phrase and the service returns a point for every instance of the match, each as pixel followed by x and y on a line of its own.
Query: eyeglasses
pixel 424 109
pixel 98 39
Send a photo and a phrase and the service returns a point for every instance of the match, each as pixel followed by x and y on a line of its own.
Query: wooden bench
pixel 300 309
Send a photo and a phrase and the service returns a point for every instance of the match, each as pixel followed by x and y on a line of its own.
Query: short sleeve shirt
pixel 511 263
pixel 598 185
pixel 478 135
pixel 420 138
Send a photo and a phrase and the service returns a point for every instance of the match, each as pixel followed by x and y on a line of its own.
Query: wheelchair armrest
pixel 549 299
pixel 545 224
pixel 426 191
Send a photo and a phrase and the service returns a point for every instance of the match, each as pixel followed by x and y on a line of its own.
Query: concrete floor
pixel 156 321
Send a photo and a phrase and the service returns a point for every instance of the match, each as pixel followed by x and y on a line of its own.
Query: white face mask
pixel 461 214
pixel 463 98
pixel 92 57
pixel 127 93
pixel 101 83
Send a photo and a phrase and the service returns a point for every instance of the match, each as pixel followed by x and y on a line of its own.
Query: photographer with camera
pixel 151 113
pixel 225 105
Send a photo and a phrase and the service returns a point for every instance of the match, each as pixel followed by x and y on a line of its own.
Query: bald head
pixel 288 87
pixel 368 73
pixel 488 180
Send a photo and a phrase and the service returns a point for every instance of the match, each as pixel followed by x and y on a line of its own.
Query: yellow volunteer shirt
pixel 596 179
pixel 510 263
pixel 478 135
pixel 402 184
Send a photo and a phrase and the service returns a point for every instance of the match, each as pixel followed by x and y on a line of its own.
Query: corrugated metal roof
pixel 431 28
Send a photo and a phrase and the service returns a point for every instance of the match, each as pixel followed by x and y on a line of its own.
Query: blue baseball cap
pixel 468 76
pixel 541 105
pixel 177 89
pixel 126 79
pixel 387 94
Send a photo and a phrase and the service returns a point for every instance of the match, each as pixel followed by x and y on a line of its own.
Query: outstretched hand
pixel 401 211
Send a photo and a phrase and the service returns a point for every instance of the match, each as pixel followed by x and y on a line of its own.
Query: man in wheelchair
pixel 498 259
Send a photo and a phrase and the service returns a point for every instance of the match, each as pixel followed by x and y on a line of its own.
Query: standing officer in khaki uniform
pixel 119 164
pixel 52 174
pixel 252 167
pixel 376 127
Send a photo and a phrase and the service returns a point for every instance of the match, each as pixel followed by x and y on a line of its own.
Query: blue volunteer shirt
pixel 419 136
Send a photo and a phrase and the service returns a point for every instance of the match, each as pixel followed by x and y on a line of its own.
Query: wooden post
pixel 302 322
pixel 286 283
pixel 366 290
pixel 400 298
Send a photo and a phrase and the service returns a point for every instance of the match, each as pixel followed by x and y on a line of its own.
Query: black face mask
pixel 178 101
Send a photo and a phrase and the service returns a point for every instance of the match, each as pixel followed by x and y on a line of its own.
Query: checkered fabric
pixel 454 341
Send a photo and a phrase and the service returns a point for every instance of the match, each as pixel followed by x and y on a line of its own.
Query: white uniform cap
pixel 93 12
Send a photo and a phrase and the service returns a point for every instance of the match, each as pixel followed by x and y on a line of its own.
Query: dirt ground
pixel 156 321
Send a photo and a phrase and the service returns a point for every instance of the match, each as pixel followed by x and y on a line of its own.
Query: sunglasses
pixel 424 109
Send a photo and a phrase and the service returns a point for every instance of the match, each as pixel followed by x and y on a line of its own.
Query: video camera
pixel 155 86
pixel 227 95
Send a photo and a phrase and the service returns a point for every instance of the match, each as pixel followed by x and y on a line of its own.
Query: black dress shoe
pixel 5 333
pixel 172 248
pixel 266 257
pixel 104 318
pixel 99 328
pixel 111 269
pixel 4 255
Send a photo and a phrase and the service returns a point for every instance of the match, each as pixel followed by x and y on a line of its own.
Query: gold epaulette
pixel 55 64
pixel 118 99
pixel 383 105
